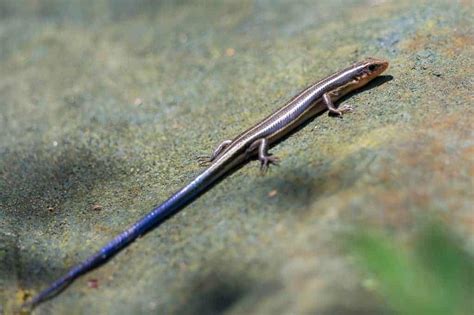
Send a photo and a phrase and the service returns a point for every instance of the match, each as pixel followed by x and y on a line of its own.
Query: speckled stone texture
pixel 105 105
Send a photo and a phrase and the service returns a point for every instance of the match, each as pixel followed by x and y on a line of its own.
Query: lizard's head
pixel 358 75
pixel 369 69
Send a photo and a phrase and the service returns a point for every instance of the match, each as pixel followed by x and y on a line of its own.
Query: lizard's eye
pixel 372 68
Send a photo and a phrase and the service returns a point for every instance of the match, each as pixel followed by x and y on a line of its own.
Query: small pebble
pixel 93 283
pixel 96 207
pixel 272 193
pixel 138 101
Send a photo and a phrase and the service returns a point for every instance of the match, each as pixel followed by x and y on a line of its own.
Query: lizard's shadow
pixel 378 81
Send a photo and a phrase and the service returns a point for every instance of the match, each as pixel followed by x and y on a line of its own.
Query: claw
pixel 342 110
pixel 204 160
pixel 266 161
pixel 346 108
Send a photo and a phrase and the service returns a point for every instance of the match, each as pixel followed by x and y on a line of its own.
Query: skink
pixel 230 154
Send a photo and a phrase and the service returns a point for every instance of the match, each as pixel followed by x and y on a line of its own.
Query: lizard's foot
pixel 265 162
pixel 346 108
pixel 204 160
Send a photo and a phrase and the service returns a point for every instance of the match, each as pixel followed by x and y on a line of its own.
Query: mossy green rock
pixel 106 104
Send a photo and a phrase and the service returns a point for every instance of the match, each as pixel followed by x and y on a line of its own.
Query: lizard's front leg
pixel 264 157
pixel 332 109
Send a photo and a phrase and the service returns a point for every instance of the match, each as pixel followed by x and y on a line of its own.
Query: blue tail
pixel 157 216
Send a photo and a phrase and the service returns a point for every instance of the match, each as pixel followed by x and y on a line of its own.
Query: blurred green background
pixel 105 105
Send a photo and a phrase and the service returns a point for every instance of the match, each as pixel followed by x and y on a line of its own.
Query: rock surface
pixel 105 106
